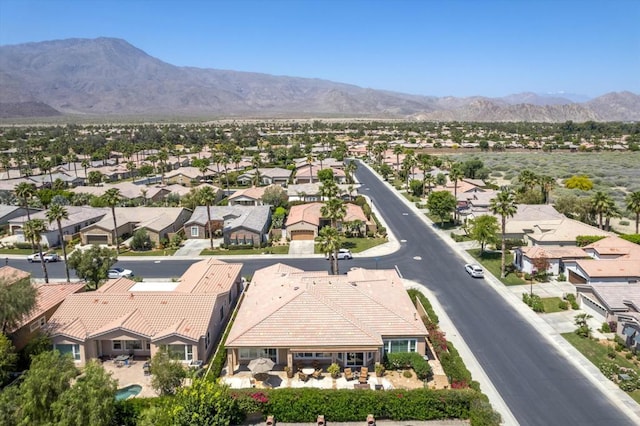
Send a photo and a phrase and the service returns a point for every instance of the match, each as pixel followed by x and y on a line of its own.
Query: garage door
pixel 302 235
pixel 97 239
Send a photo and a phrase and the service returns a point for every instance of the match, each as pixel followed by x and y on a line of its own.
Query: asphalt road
pixel 537 383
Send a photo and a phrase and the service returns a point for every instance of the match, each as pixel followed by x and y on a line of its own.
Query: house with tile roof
pixel 124 317
pixel 268 176
pixel 159 222
pixel 308 192
pixel 247 196
pixel 525 258
pixel 186 176
pixel 79 218
pixel 236 224
pixel 48 299
pixel 297 317
pixel 305 220
pixel 305 174
pixel 612 260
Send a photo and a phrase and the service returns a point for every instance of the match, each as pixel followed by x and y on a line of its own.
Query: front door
pixel 355 359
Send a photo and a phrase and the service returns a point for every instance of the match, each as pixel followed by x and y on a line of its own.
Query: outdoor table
pixel 308 370
pixel 122 358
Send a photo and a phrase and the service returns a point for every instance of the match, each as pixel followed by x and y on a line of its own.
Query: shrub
pixel 583 240
pixel 624 222
pixel 611 352
pixel 403 360
pixel 634 238
pixel 407 374
pixel 628 355
pixel 562 277
pixel 417 295
pixel 564 305
pixel 605 327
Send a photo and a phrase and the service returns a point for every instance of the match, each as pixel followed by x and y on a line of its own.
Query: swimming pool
pixel 127 392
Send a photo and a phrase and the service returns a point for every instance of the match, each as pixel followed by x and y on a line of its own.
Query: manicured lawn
pixel 15 251
pixel 167 252
pixel 551 304
pixel 491 262
pixel 357 245
pixel 266 250
pixel 597 353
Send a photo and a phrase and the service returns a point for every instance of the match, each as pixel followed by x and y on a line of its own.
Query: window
pixel 252 353
pixel 315 355
pixel 207 340
pixel 117 345
pixel 195 231
pixel 148 345
pixel 73 350
pixel 355 358
pixel 180 352
pixel 221 313
pixel 133 345
pixel 400 345
pixel 39 323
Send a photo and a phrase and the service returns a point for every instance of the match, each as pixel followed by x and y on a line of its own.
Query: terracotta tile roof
pixel 566 230
pixel 311 213
pixel 615 246
pixel 613 268
pixel 553 252
pixel 10 275
pixel 100 312
pixel 50 295
pixel 255 193
pixel 287 307
pixel 209 276
pixel 185 311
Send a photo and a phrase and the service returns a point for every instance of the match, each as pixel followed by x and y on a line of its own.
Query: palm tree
pixel 163 156
pixel 429 180
pixel 85 165
pixel 112 198
pixel 397 150
pixel 633 205
pixel 330 241
pixel 504 205
pixel 350 168
pixel 25 191
pixel 256 162
pixel 208 197
pixel 547 183
pixel 33 230
pixel 310 163
pixel 455 174
pixel 600 203
pixel 56 213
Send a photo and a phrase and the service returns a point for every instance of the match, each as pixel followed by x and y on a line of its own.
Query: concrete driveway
pixel 301 248
pixel 193 248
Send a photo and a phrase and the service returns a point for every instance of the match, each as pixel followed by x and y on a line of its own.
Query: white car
pixel 342 254
pixel 119 273
pixel 474 270
pixel 47 257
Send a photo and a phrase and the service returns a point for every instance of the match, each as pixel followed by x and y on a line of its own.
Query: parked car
pixel 119 273
pixel 342 254
pixel 474 270
pixel 47 257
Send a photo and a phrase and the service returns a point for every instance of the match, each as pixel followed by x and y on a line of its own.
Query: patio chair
pixel 348 374
pixel 364 373
pixel 317 374
pixel 302 377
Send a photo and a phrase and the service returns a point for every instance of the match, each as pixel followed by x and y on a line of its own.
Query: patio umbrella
pixel 260 365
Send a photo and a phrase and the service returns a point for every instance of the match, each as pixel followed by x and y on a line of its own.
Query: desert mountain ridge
pixel 110 77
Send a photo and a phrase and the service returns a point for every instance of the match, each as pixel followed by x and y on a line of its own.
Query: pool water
pixel 127 392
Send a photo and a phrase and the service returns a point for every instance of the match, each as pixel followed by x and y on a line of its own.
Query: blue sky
pixel 428 47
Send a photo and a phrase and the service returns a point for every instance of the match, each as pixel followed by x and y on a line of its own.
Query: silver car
pixel 119 273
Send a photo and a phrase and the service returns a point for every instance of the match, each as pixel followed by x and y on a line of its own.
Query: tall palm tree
pixel 397 150
pixel 455 174
pixel 600 202
pixel 208 197
pixel 504 205
pixel 633 205
pixel 330 241
pixel 56 214
pixel 25 191
pixel 112 198
pixel 163 156
pixel 33 230
pixel 547 183
pixel 310 163
pixel 256 162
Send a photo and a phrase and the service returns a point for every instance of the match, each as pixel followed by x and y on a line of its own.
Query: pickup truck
pixel 47 257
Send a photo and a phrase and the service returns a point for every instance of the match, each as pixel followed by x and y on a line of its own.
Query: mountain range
pixel 110 77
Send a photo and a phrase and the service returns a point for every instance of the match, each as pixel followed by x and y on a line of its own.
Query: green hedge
pixel 347 405
pixel 416 294
pixel 634 238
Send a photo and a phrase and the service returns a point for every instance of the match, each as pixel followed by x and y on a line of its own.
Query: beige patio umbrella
pixel 260 365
